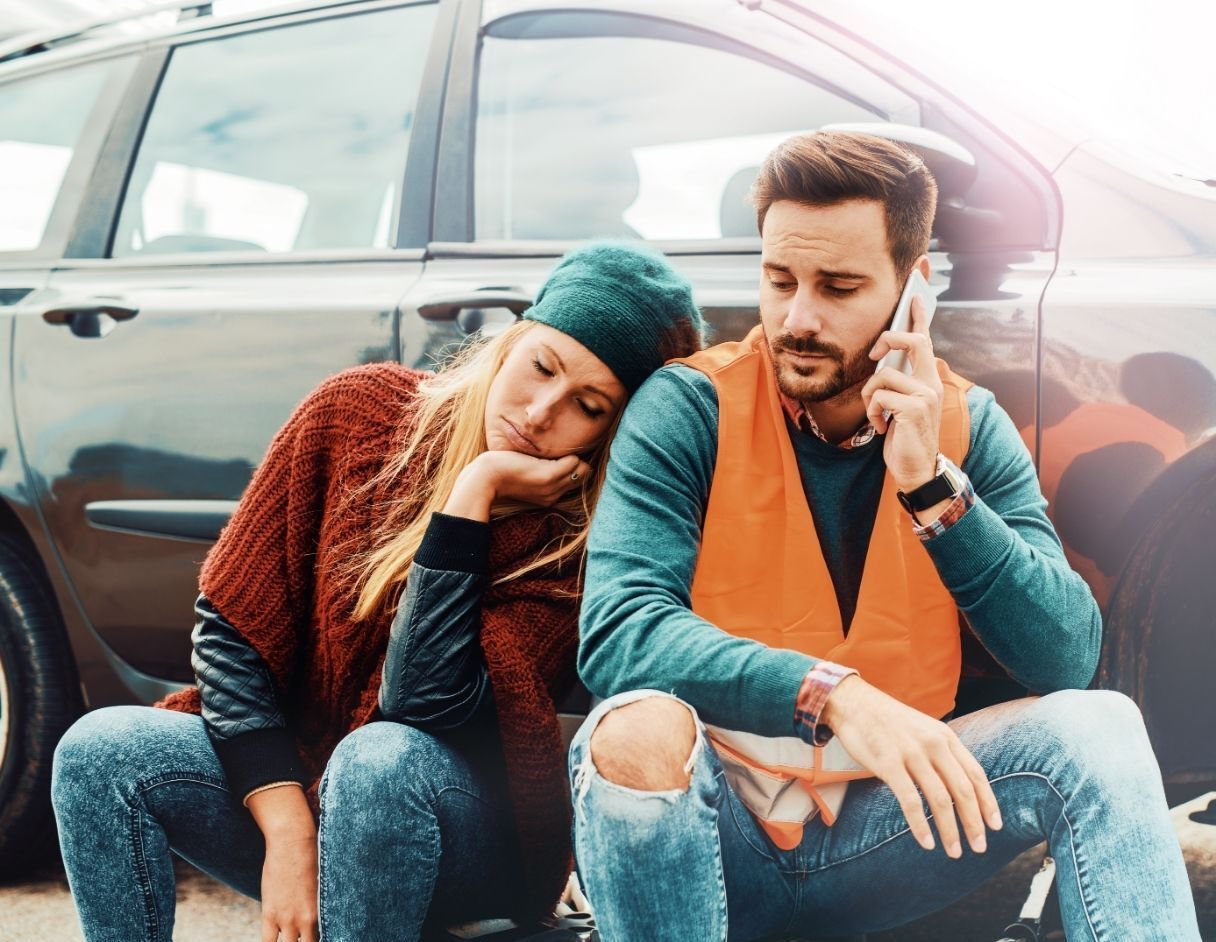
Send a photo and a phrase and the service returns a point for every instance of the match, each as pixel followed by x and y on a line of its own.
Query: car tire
pixel 1158 639
pixel 39 699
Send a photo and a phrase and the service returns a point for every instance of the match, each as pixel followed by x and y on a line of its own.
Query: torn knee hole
pixel 648 745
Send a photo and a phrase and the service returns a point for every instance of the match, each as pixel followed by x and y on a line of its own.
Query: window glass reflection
pixel 631 137
pixel 282 140
pixel 41 119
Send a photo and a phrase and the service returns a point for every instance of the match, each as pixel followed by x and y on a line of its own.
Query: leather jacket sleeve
pixel 240 710
pixel 434 674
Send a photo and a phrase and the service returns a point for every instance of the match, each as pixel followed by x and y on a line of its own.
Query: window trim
pixel 97 222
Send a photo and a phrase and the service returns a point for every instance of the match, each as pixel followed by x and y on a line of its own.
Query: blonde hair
pixel 449 432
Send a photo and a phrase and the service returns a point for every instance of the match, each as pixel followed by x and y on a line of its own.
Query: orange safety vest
pixel 761 574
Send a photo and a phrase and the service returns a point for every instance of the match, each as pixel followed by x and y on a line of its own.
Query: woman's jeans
pixel 1073 768
pixel 409 828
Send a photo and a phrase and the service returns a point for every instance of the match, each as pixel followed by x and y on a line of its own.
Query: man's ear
pixel 923 265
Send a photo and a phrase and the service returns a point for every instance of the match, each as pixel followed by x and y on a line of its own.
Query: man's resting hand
pixel 908 751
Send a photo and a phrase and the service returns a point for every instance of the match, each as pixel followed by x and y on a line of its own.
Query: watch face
pixel 946 469
pixel 925 496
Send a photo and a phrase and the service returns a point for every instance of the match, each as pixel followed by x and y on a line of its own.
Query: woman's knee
pixel 98 749
pixel 646 744
pixel 382 759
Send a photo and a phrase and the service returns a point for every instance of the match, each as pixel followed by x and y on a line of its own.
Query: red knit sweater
pixel 274 575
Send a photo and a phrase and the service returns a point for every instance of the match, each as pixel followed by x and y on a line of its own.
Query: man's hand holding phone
pixel 906 406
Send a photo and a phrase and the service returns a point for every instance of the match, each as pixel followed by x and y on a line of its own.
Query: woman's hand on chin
pixel 511 475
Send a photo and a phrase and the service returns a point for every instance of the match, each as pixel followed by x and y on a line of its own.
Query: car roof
pixel 132 28
pixel 1048 139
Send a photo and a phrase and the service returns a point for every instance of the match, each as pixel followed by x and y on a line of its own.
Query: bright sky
pixel 1141 70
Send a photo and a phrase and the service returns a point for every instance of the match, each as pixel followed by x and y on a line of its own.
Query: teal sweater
pixel 1002 561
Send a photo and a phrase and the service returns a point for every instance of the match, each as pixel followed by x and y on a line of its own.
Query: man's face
pixel 827 291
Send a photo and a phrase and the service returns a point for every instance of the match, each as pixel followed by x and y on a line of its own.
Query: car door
pixel 250 231
pixel 649 120
pixel 53 120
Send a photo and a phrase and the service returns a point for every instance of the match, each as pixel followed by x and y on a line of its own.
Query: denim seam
pixel 1081 883
pixel 143 786
pixel 323 890
pixel 743 833
pixel 136 838
pixel 723 904
pixel 1082 872
pixel 322 867
pixel 140 866
pixel 464 791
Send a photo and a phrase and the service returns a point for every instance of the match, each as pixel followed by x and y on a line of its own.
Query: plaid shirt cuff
pixel 950 516
pixel 818 683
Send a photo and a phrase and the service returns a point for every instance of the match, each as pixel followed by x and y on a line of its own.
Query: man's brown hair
pixel 828 167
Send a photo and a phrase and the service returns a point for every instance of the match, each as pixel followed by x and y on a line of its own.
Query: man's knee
pixel 1102 730
pixel 646 744
pixel 1089 715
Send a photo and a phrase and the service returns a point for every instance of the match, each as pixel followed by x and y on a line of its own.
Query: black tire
pixel 39 700
pixel 1158 647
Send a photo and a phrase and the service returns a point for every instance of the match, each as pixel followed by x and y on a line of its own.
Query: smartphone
pixel 916 287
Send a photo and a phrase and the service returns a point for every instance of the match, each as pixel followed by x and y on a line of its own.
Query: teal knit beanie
pixel 624 303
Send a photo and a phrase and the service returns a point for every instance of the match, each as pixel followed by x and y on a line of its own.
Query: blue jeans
pixel 411 830
pixel 1073 768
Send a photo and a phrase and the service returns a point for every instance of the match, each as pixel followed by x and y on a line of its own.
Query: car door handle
pixel 89 318
pixel 445 308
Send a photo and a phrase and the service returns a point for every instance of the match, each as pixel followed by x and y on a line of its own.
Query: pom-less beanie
pixel 624 303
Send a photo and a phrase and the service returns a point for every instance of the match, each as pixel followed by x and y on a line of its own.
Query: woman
pixel 461 500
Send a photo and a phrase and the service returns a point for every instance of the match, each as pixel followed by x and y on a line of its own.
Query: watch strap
pixel 942 487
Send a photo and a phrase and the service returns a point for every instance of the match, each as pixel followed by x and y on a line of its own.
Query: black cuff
pixel 455 543
pixel 259 758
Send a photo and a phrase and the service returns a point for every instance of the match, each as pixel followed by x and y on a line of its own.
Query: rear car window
pixel 41 120
pixel 283 140
pixel 630 136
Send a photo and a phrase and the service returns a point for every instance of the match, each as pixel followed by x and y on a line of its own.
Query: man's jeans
pixel 1074 768
pixel 404 819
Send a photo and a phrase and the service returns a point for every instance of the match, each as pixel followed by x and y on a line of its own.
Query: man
pixel 775 571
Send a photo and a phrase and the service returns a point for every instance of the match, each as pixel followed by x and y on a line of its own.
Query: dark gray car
pixel 202 219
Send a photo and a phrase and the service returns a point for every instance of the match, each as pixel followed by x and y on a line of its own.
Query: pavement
pixel 39 909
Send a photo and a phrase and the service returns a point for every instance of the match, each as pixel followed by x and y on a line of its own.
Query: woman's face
pixel 552 397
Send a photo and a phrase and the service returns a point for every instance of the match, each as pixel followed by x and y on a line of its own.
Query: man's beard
pixel 797 382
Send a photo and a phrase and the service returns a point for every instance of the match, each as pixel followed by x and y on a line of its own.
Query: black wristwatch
pixel 943 487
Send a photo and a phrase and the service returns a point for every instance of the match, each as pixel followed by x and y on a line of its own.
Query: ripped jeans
pixel 1073 768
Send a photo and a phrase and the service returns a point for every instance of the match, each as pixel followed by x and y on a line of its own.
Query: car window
pixel 630 136
pixel 41 120
pixel 282 140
